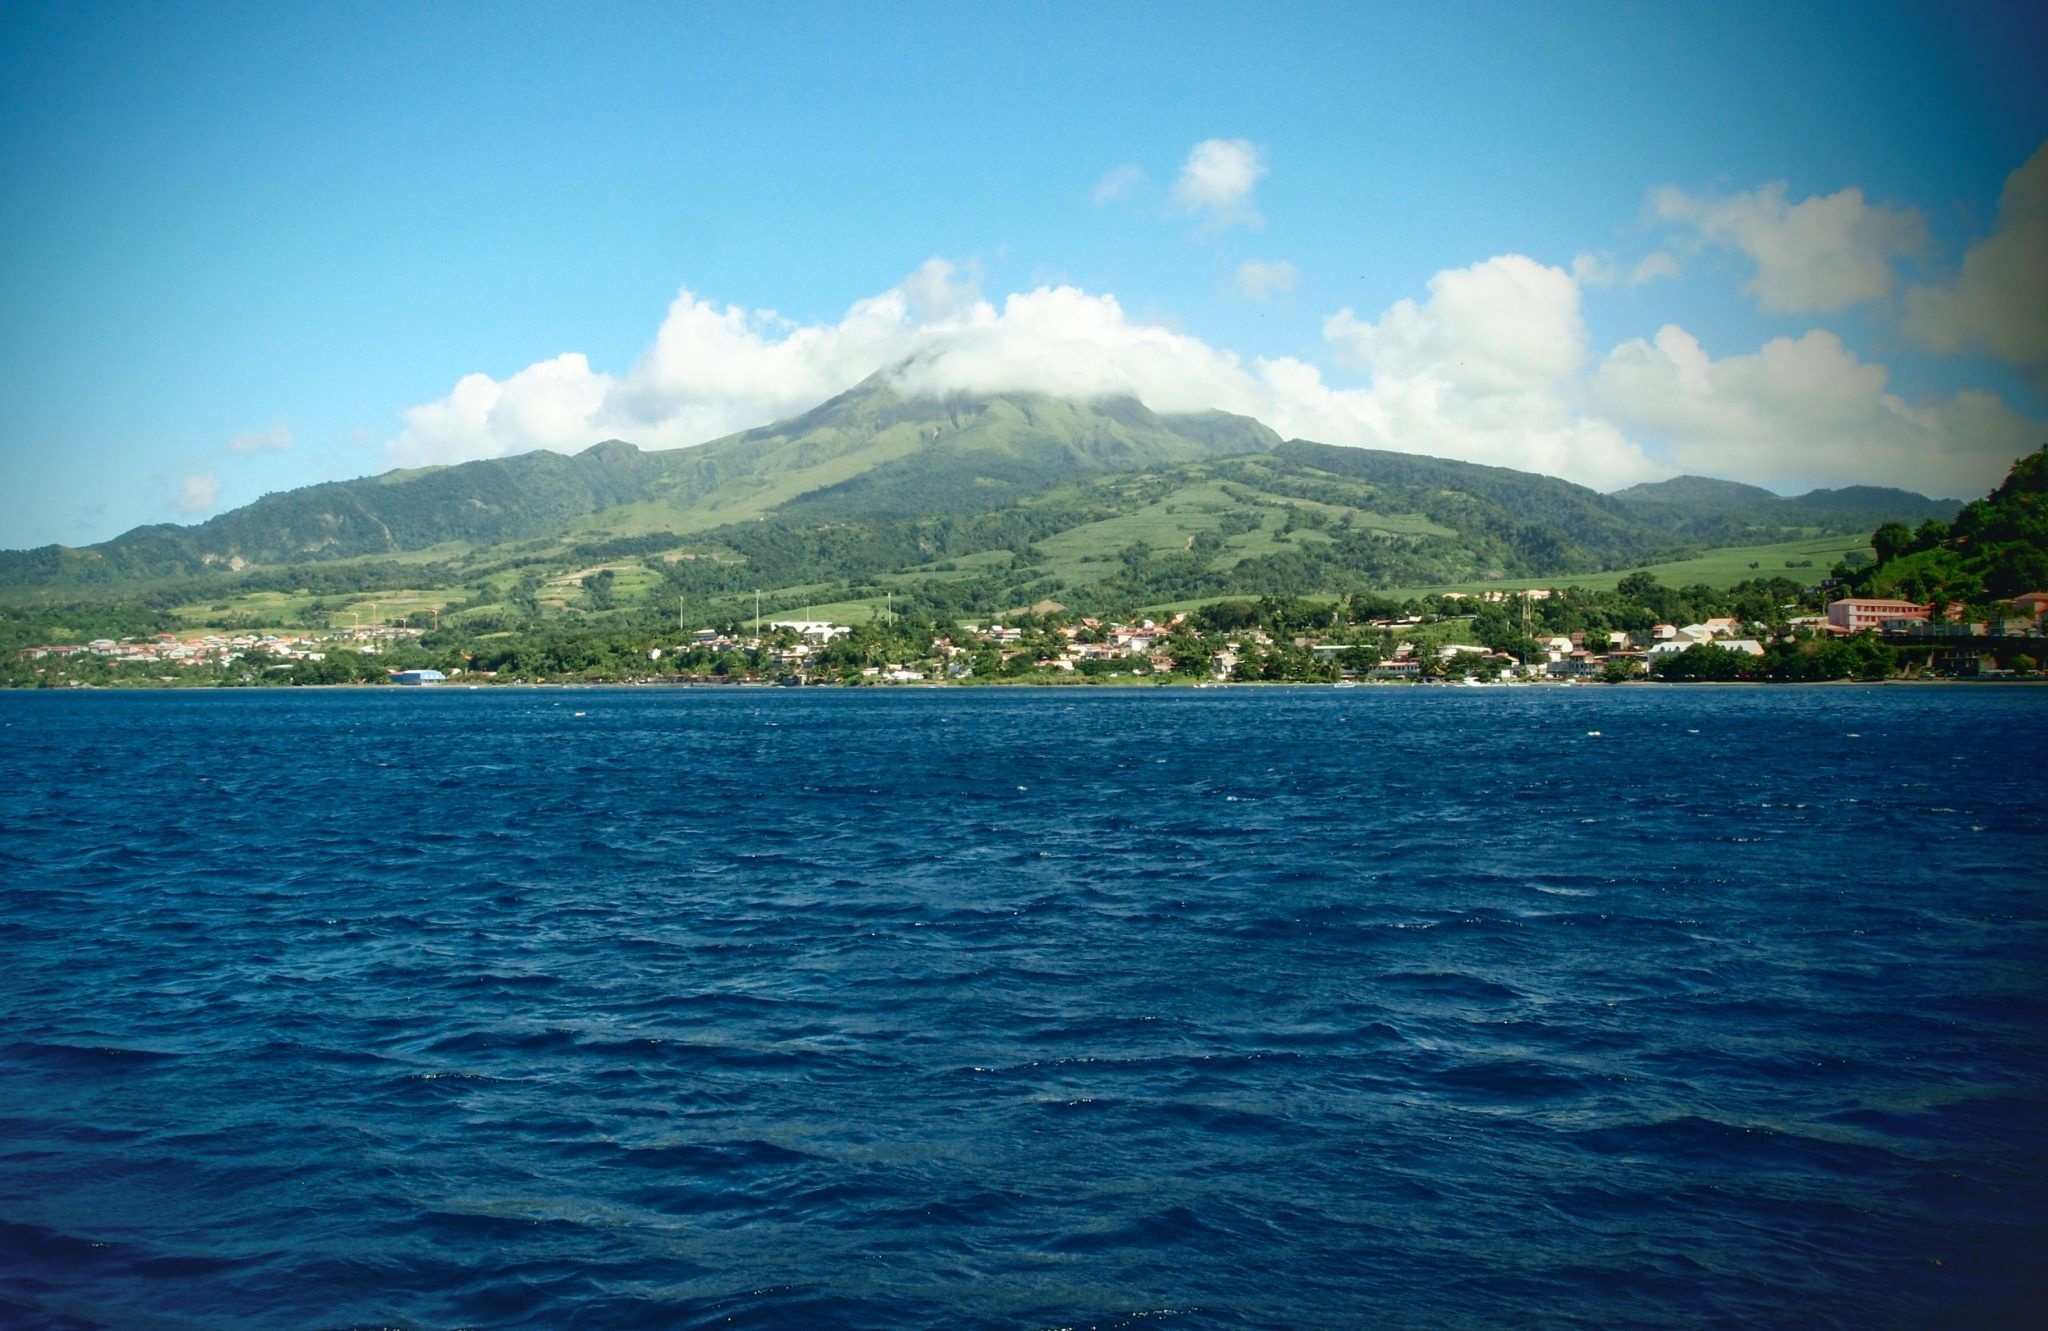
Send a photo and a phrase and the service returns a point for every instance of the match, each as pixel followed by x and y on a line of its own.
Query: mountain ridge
pixel 1033 477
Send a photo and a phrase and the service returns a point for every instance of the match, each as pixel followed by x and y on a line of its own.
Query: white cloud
pixel 940 289
pixel 1065 341
pixel 1507 325
pixel 1598 270
pixel 1492 365
pixel 1805 411
pixel 1816 256
pixel 275 439
pixel 1482 370
pixel 1118 183
pixel 1660 263
pixel 712 370
pixel 2000 300
pixel 1593 270
pixel 551 404
pixel 197 493
pixel 1216 182
pixel 1263 279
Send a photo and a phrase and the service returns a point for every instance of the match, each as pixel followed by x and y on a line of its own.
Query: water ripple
pixel 956 1009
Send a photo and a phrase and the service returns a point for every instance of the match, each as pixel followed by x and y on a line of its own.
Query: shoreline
pixel 1136 685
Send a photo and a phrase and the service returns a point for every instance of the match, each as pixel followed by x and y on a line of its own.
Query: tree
pixel 1705 662
pixel 1227 616
pixel 1638 586
pixel 1191 656
pixel 1890 541
pixel 1362 656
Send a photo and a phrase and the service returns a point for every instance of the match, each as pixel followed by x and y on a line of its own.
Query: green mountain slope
pixel 955 504
pixel 1548 522
pixel 976 456
pixel 867 453
pixel 1705 511
pixel 1703 494
pixel 1996 548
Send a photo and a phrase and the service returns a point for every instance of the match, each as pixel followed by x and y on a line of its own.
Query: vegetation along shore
pixel 1017 539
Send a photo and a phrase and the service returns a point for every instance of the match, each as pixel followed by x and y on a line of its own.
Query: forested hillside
pixel 949 506
pixel 1997 547
pixel 1704 511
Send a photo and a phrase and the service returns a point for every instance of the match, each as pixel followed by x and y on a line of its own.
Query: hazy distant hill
pixel 1549 520
pixel 1715 512
pixel 1000 492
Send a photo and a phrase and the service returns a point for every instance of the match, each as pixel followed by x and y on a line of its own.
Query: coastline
pixel 1126 685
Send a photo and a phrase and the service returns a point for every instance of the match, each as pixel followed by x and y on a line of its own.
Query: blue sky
pixel 244 248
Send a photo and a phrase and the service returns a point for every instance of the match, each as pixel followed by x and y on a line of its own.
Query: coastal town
pixel 1451 637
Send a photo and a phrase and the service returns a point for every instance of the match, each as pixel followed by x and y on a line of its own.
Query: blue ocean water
pixel 1050 1008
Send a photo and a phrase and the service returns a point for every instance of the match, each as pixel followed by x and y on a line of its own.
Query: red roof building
pixel 1853 614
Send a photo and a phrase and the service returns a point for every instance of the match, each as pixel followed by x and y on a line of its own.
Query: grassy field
pixel 296 610
pixel 264 609
pixel 1715 568
pixel 841 612
pixel 1076 556
pixel 1171 523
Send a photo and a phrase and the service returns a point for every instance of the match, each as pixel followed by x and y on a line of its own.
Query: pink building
pixel 1853 614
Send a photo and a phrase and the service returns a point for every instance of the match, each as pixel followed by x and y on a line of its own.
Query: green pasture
pixel 1805 561
pixel 1713 568
pixel 303 610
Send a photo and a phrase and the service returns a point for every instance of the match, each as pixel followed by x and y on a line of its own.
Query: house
pixel 812 630
pixel 1854 614
pixel 2032 603
pixel 1580 664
